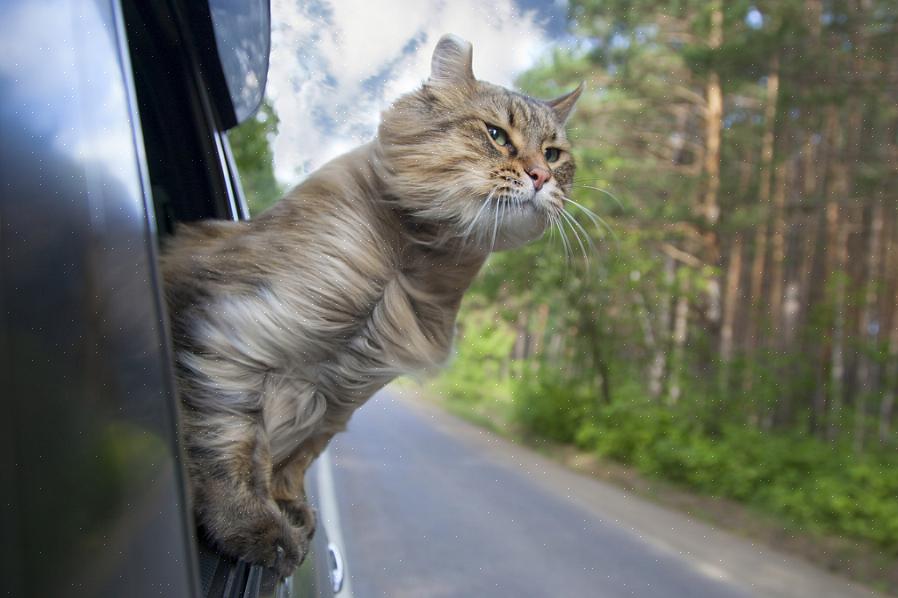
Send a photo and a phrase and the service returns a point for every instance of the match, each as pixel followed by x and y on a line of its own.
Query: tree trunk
pixel 837 357
pixel 890 318
pixel 808 167
pixel 731 303
pixel 658 368
pixel 710 210
pixel 760 245
pixel 868 333
pixel 832 140
pixel 796 299
pixel 795 295
pixel 838 191
pixel 650 339
pixel 680 332
pixel 817 184
pixel 887 407
pixel 778 255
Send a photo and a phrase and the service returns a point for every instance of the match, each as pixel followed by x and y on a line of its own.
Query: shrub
pixel 816 485
pixel 548 408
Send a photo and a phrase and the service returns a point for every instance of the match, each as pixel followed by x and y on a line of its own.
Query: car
pixel 113 116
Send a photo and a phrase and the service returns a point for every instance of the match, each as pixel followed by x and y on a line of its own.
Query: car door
pixel 112 134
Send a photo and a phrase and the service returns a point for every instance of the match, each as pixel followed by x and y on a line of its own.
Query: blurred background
pixel 726 324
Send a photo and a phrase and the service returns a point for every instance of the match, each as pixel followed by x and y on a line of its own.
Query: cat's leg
pixel 288 482
pixel 230 471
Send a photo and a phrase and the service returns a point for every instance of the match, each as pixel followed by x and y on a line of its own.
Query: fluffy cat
pixel 285 325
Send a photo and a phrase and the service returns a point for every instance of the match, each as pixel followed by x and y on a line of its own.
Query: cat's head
pixel 487 165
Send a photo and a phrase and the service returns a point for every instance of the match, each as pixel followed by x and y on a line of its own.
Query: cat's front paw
pixel 270 541
pixel 278 547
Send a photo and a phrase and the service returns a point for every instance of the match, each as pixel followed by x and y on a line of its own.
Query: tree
pixel 251 144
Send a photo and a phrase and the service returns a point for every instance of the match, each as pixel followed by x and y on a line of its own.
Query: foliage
pixel 817 486
pixel 479 359
pixel 552 408
pixel 251 144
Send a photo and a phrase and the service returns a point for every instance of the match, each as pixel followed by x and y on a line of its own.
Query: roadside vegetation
pixel 251 146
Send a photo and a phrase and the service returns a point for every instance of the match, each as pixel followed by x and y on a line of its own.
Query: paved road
pixel 434 507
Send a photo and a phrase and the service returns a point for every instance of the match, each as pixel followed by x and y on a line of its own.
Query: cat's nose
pixel 539 175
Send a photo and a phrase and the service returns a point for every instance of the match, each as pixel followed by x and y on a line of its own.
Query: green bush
pixel 815 485
pixel 551 409
pixel 475 372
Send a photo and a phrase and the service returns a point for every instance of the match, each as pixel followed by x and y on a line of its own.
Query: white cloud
pixel 336 65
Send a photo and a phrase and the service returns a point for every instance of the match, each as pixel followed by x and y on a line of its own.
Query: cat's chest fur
pixel 360 327
pixel 305 313
pixel 400 323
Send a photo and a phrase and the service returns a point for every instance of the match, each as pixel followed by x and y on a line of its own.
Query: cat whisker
pixel 596 220
pixel 495 227
pixel 605 191
pixel 556 221
pixel 586 179
pixel 574 226
pixel 503 207
pixel 566 219
pixel 467 233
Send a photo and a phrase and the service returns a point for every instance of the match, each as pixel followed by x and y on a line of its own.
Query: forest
pixel 723 311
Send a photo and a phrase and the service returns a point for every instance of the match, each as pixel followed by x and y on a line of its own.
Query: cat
pixel 284 325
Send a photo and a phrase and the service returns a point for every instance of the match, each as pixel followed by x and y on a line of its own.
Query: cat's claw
pixel 289 553
pixel 283 557
pixel 283 564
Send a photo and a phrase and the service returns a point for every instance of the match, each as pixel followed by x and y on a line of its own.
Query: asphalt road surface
pixel 430 506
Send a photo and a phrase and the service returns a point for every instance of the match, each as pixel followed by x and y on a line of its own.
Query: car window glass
pixel 242 36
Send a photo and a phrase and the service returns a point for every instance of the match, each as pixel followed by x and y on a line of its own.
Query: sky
pixel 335 65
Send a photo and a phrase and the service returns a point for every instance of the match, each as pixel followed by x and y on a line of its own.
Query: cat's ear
pixel 564 104
pixel 451 62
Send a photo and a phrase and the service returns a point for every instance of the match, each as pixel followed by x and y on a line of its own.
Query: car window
pixel 188 176
pixel 242 36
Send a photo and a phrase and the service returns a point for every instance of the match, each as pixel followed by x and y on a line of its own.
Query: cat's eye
pixel 552 154
pixel 497 134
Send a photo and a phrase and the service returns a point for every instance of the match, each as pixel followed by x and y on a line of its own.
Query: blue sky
pixel 335 65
